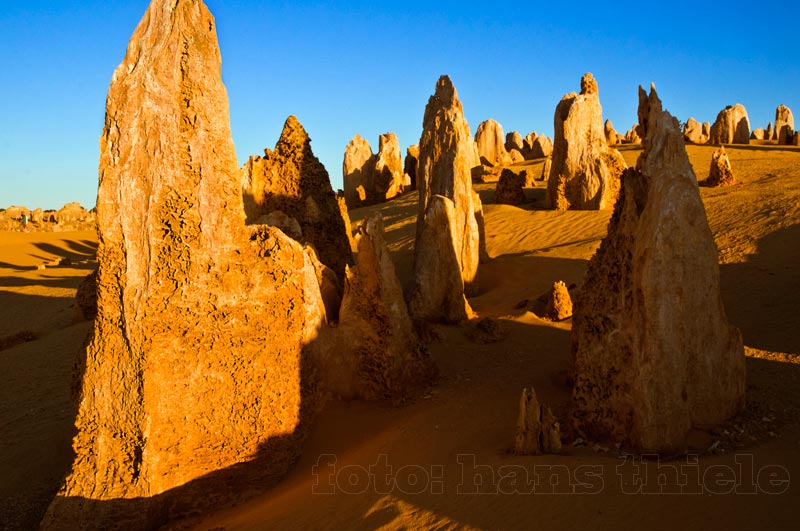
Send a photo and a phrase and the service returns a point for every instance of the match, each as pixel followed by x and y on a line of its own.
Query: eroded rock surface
pixel 446 252
pixel 385 359
pixel 292 180
pixel 585 173
pixel 559 303
pixel 509 188
pixel 490 140
pixel 720 173
pixel 693 132
pixel 732 126
pixel 195 379
pixel 538 430
pixel 784 125
pixel 653 354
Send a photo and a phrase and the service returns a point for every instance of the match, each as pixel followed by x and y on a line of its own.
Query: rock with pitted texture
pixel 447 248
pixel 195 380
pixel 732 126
pixel 693 132
pixel 291 179
pixel 86 297
pixel 585 173
pixel 653 354
pixel 784 125
pixel 490 140
pixel 720 173
pixel 380 355
pixel 538 430
pixel 280 220
pixel 559 303
pixel 509 188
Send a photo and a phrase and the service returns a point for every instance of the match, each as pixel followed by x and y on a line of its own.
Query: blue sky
pixel 369 67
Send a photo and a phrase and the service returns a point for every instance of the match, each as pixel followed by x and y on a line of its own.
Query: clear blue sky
pixel 369 67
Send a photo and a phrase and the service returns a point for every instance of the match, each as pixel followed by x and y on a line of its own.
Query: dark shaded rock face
pixel 292 180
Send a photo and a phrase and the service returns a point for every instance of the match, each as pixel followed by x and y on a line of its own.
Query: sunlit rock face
pixel 196 364
pixel 653 354
pixel 447 247
pixel 585 173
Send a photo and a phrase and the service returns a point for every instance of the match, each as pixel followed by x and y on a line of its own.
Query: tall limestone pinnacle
pixel 653 354
pixel 192 371
pixel 292 180
pixel 585 172
pixel 446 253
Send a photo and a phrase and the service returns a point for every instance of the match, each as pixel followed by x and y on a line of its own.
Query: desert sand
pixel 450 451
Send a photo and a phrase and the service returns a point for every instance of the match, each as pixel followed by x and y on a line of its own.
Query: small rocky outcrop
pixel 652 352
pixel 514 141
pixel 732 126
pixel 632 136
pixel 290 179
pixel 769 134
pixel 784 125
pixel 383 358
pixel 538 430
pixel 515 157
pixel 527 145
pixel 490 139
pixel 446 251
pixel 542 147
pixel 509 188
pixel 693 132
pixel 558 304
pixel 372 178
pixel 585 173
pixel 720 173
pixel 758 134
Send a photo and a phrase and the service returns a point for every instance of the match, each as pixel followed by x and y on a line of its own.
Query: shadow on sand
pixel 762 295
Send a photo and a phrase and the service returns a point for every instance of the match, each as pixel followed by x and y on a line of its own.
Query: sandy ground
pixel 443 461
